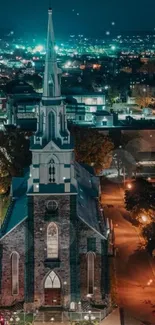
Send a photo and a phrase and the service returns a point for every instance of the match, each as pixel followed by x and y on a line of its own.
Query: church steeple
pixel 52 74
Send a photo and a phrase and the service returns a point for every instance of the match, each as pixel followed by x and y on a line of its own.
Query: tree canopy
pixel 14 155
pixel 34 80
pixel 143 95
pixel 92 148
pixel 140 200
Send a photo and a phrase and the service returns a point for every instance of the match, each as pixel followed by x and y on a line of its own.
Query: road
pixel 133 266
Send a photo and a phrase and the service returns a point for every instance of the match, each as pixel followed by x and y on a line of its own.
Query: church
pixel 54 238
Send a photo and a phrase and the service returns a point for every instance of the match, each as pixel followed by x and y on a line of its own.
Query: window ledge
pixel 51 215
pixel 52 262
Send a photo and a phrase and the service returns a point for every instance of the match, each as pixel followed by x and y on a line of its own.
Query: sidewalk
pixel 112 319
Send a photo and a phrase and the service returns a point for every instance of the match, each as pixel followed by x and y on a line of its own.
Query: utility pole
pixel 121 313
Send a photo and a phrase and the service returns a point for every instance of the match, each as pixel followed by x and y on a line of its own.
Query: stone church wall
pixel 12 242
pixel 42 265
pixel 84 233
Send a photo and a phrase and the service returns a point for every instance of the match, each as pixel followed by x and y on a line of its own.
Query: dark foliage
pixel 140 196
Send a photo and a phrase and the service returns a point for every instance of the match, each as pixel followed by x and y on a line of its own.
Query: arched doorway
pixel 52 290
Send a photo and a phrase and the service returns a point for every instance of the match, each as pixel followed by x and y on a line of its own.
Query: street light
pixel 144 218
pixel 14 318
pixel 129 186
pixel 52 319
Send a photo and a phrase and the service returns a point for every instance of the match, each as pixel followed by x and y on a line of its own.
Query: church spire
pixel 52 83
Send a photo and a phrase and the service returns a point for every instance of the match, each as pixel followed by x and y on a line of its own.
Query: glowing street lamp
pixel 129 186
pixel 144 218
pixel 52 319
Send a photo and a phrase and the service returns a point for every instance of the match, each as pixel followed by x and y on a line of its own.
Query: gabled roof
pixel 87 199
pixel 17 210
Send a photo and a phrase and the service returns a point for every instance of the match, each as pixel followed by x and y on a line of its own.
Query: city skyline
pixel 70 17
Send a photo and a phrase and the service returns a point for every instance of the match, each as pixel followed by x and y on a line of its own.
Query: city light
pixel 38 48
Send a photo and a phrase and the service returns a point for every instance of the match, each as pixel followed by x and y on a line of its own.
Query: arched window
pixel 52 241
pixel 51 125
pixel 52 281
pixel 90 272
pixel 51 171
pixel 15 273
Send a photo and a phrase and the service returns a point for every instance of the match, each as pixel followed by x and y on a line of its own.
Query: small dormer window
pixel 51 169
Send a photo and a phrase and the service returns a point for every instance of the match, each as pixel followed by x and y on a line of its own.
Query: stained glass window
pixel 52 240
pixel 52 281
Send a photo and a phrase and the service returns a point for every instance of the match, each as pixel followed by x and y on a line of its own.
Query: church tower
pixel 51 265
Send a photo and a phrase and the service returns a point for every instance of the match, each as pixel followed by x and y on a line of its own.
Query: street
pixel 135 278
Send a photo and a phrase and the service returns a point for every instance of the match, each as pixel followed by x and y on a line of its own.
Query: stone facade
pixel 71 266
pixel 12 242
pixel 43 266
pixel 84 234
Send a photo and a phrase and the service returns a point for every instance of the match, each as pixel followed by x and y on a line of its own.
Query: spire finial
pixel 50 5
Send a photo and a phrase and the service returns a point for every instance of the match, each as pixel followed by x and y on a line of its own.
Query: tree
pixel 148 68
pixel 143 95
pixel 140 200
pixel 148 232
pixel 34 80
pixel 92 148
pixel 14 155
pixel 125 154
pixel 112 93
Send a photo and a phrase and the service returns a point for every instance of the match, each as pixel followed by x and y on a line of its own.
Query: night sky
pixel 95 16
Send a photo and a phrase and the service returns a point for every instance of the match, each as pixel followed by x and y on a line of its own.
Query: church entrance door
pixel 53 297
pixel 52 290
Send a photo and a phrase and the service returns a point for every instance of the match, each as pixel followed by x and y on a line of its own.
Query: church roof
pixel 27 124
pixel 17 211
pixel 87 200
pixel 102 113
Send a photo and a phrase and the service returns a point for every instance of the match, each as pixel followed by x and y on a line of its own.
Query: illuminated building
pixel 53 248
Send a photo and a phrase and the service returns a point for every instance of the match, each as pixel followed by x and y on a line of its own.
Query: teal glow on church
pixel 54 240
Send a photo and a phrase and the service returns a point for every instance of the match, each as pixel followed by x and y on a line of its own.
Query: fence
pixel 85 316
pixel 51 317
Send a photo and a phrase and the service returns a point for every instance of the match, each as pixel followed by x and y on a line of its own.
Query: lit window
pixel 52 281
pixel 52 240
pixel 90 272
pixel 15 273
